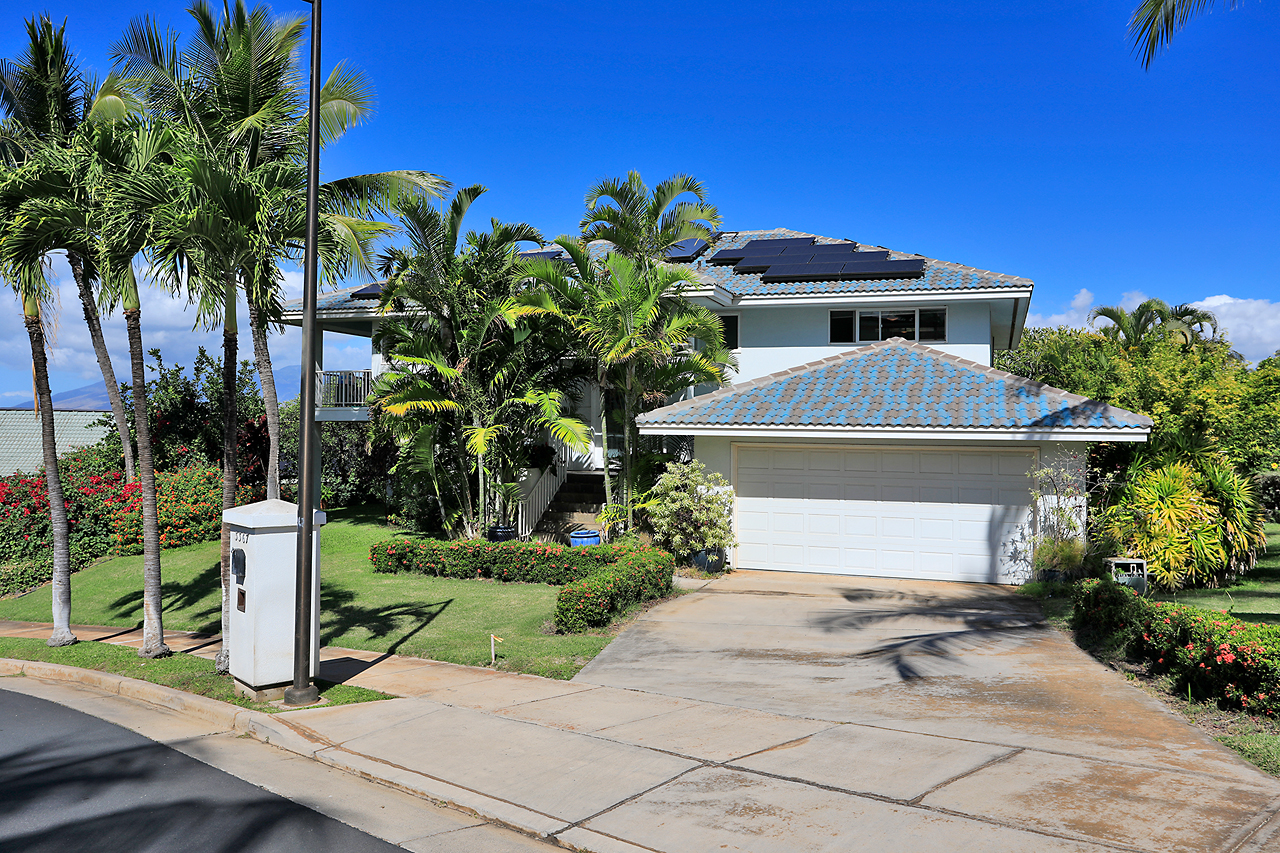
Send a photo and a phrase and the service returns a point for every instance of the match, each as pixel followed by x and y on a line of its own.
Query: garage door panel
pixel 918 513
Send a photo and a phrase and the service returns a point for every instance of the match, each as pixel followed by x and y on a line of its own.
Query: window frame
pixel 857 324
pixel 737 315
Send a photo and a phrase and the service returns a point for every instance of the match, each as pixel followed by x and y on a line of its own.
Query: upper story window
pixel 913 324
pixel 729 324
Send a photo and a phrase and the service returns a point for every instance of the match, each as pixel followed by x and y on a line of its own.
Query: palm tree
pixel 642 225
pixel 639 332
pixel 33 291
pixel 236 91
pixel 470 380
pixel 45 98
pixel 1154 22
pixel 1152 319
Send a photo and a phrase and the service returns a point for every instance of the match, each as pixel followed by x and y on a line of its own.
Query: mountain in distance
pixel 93 397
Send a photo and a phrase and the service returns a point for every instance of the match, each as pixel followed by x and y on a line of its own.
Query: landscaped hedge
pixel 20 577
pixel 1212 653
pixel 599 580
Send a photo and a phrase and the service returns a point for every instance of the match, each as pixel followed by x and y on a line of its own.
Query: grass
pixel 1255 598
pixel 437 618
pixel 180 671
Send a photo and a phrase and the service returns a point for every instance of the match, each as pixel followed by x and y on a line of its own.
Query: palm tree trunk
pixel 61 635
pixel 229 435
pixel 262 358
pixel 153 645
pixel 627 450
pixel 94 323
pixel 604 437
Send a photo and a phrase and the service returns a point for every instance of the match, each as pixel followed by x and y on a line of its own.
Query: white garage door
pixel 939 514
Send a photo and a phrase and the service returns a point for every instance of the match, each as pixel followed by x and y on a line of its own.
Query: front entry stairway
pixel 574 507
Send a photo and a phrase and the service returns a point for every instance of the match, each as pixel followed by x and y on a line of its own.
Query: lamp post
pixel 302 691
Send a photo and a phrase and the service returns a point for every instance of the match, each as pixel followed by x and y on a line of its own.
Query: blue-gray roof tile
pixel 897 383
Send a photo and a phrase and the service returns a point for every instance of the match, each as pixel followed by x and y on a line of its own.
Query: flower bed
pixel 1210 652
pixel 188 507
pixel 599 580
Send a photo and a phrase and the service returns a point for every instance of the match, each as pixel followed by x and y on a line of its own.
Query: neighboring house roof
pixel 938 276
pixel 897 386
pixel 20 447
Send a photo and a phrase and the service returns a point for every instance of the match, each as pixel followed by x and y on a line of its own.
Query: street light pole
pixel 303 692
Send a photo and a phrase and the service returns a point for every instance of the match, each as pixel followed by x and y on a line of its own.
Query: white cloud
pixel 1076 316
pixel 168 323
pixel 1252 325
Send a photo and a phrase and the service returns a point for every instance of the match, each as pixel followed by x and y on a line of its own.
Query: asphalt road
pixel 70 782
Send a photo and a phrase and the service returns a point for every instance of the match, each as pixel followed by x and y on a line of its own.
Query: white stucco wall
pixel 775 338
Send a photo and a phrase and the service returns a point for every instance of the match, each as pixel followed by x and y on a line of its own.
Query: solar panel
pixel 767 247
pixel 727 256
pixel 823 249
pixel 370 291
pixel 864 257
pixel 757 264
pixel 883 269
pixel 686 250
pixel 825 271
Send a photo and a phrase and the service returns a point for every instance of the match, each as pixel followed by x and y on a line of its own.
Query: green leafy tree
pixel 642 224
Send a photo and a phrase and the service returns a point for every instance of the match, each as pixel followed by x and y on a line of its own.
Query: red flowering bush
pixel 1210 652
pixel 188 506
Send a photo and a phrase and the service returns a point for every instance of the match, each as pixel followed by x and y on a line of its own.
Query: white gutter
pixel 949 434
pixel 894 296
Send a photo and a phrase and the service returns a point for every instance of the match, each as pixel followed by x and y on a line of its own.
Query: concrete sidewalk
pixel 797 740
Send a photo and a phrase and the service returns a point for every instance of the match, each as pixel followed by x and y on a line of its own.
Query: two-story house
pixel 865 432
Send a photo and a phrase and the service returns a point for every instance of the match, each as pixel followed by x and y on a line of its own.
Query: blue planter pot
pixel 708 561
pixel 579 538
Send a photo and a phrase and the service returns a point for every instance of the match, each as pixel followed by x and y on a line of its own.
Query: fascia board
pixel 1134 435
pixel 895 296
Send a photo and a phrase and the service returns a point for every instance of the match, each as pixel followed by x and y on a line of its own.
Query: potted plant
pixel 691 513
pixel 507 497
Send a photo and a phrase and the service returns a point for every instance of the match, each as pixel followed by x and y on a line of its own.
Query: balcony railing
pixel 341 389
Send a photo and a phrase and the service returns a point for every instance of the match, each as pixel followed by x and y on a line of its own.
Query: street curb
pixel 277 731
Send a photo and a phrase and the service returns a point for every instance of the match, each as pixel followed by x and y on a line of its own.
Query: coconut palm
pixel 643 225
pixel 639 332
pixel 1154 22
pixel 471 379
pixel 33 292
pixel 45 99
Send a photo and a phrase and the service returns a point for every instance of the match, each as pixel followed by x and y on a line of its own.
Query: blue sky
pixel 1018 137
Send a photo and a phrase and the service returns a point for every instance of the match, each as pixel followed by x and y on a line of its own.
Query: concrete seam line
pixel 1255 826
pixel 633 797
pixel 945 782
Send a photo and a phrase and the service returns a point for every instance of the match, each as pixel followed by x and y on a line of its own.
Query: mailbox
pixel 264 549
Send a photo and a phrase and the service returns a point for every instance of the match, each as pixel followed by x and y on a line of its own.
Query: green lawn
pixel 1256 598
pixel 435 618
pixel 179 671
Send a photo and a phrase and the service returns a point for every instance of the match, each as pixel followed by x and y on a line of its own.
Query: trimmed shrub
pixel 596 599
pixel 26 534
pixel 599 580
pixel 20 577
pixel 1208 651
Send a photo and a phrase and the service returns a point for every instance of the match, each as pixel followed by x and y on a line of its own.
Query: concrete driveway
pixel 956 700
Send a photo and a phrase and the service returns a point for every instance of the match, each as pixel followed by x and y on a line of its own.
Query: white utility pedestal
pixel 264 553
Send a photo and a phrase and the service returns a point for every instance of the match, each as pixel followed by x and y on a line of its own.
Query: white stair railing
pixel 540 490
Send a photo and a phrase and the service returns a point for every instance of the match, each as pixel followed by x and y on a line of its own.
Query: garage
pixel 892 460
pixel 940 514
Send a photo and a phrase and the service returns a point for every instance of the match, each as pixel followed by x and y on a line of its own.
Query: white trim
pixel 896 296
pixel 927 433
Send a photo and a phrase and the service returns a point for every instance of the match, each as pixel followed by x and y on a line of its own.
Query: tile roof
pixel 938 275
pixel 894 384
pixel 20 447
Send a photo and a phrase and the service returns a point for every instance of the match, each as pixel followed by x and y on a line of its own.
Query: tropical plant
pixel 46 101
pixel 1154 22
pixel 1153 319
pixel 475 373
pixel 691 510
pixel 638 331
pixel 643 225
